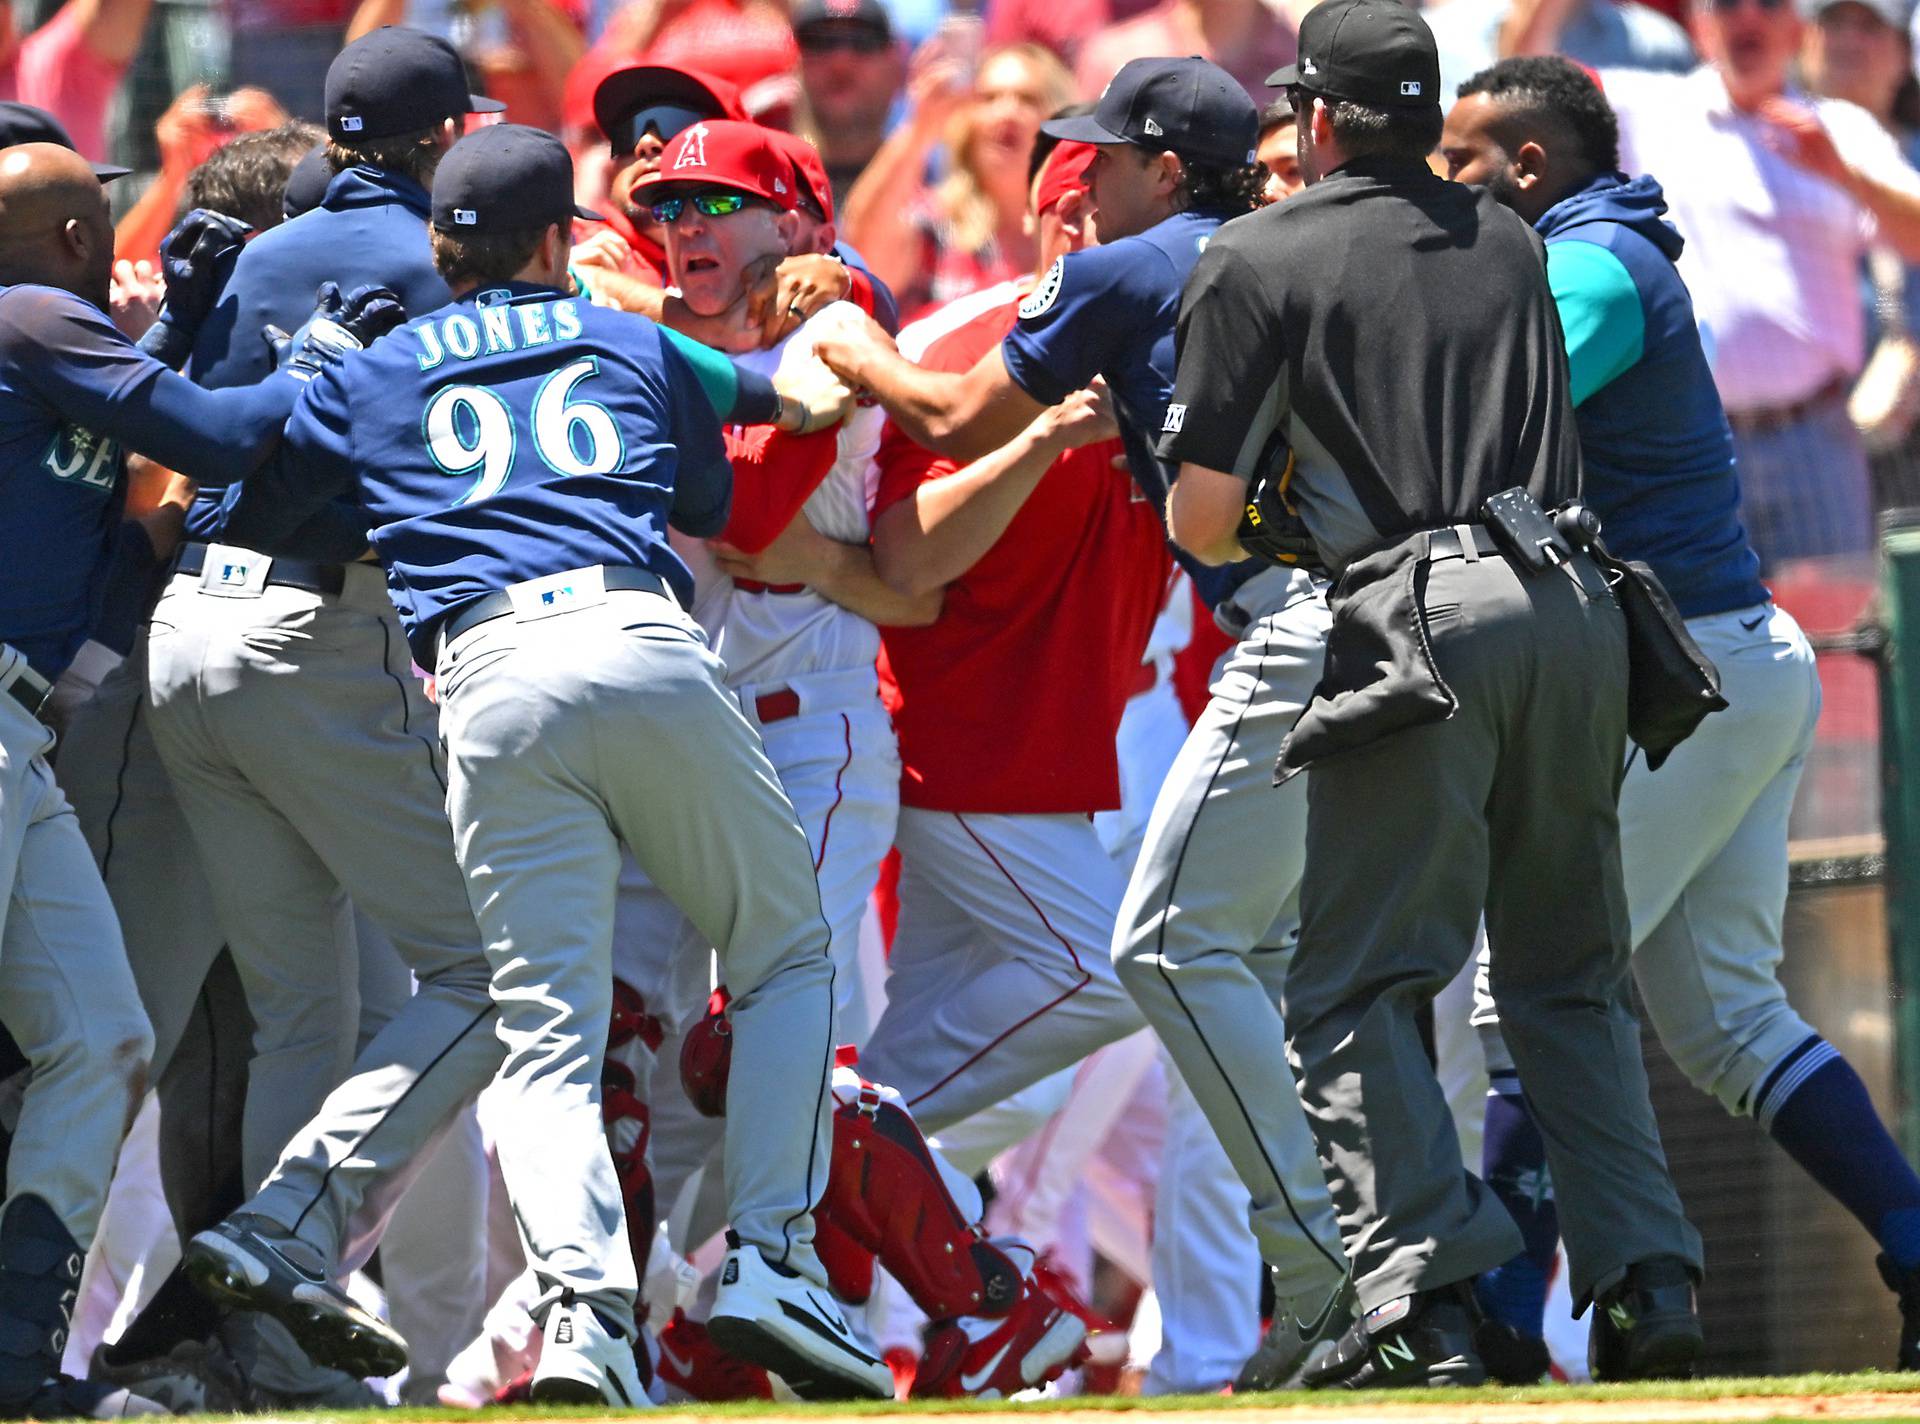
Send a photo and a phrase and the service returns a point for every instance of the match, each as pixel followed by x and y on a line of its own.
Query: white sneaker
pixel 582 1362
pixel 793 1329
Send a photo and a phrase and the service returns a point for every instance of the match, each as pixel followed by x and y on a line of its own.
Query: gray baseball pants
pixel 1507 806
pixel 306 760
pixel 1208 925
pixel 66 994
pixel 568 737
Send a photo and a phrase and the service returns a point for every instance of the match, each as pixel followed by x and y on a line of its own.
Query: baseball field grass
pixel 1717 1401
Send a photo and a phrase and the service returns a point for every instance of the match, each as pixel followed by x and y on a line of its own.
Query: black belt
pixel 31 691
pixel 1768 419
pixel 306 574
pixel 490 606
pixel 1445 543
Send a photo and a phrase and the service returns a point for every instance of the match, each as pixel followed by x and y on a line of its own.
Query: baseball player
pixel 1703 840
pixel 520 453
pixel 1042 540
pixel 801 663
pixel 256 648
pixel 1174 140
pixel 73 394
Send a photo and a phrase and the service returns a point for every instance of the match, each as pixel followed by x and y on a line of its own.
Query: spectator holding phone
pixel 968 230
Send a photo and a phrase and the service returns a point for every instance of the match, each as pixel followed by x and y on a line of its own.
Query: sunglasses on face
pixel 856 41
pixel 713 205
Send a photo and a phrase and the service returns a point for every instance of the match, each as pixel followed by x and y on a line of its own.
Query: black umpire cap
pixel 505 179
pixel 395 81
pixel 23 123
pixel 1375 52
pixel 1191 106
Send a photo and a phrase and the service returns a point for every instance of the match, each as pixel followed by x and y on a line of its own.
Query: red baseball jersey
pixel 1010 701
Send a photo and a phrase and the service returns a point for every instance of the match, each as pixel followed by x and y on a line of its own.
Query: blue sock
pixel 1817 1109
pixel 1513 1162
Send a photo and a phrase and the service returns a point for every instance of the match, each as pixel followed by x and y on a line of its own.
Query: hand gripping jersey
pixel 768 634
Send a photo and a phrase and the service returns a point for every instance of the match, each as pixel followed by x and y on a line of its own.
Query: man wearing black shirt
pixel 1468 734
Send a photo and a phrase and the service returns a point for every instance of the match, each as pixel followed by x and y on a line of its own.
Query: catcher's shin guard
pixel 885 1193
pixel 633 1037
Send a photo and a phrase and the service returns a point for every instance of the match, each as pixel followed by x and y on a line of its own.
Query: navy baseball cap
pixel 505 178
pixel 662 97
pixel 395 81
pixel 1191 106
pixel 23 123
pixel 308 183
pixel 1375 52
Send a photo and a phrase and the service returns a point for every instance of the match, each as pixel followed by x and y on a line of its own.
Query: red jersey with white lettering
pixel 1009 703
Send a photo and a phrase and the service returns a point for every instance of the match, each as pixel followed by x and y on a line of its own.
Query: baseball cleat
pixel 64 1397
pixel 583 1362
pixel 791 1328
pixel 996 1359
pixel 1415 1342
pixel 250 1263
pixel 1304 1330
pixel 1646 1327
pixel 692 1365
pixel 194 1377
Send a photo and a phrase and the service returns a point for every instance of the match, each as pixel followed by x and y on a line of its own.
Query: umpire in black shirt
pixel 1468 736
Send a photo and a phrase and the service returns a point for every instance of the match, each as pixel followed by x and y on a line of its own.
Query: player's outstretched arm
pixel 926 541
pixel 69 353
pixel 962 415
pixel 312 465
pixel 840 573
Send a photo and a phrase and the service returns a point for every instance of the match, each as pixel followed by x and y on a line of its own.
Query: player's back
pixel 512 434
pixel 371 230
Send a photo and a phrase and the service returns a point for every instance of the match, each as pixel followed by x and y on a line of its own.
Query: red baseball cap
pixel 625 99
pixel 725 153
pixel 1064 172
pixel 809 168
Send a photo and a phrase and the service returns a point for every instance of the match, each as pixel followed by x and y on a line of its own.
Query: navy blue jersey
pixel 75 393
pixel 1110 311
pixel 369 230
pixel 514 433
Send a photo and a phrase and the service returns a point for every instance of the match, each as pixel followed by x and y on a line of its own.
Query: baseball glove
pixel 1270 525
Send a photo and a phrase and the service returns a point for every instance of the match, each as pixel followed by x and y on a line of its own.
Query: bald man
pixel 74 394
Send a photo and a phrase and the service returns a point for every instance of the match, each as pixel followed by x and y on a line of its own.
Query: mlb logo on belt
pixel 551 597
pixel 233 573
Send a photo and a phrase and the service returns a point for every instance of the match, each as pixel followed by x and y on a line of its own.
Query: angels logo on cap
pixel 693 152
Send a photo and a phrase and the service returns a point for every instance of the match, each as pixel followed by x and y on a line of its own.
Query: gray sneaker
pixel 250 1263
pixel 194 1377
pixel 1304 1330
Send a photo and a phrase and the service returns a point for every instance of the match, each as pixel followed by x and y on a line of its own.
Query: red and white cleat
pixel 693 1366
pixel 996 1359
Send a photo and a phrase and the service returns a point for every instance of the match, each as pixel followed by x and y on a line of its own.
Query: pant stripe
pixel 320 1191
pixel 826 826
pixel 1173 988
pixel 1049 1006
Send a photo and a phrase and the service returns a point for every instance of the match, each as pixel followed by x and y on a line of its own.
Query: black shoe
pixel 1510 1356
pixel 1906 1285
pixel 1304 1330
pixel 1415 1342
pixel 1647 1326
pixel 250 1263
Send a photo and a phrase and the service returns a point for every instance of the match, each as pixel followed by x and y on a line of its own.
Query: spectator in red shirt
pixel 72 65
pixel 969 231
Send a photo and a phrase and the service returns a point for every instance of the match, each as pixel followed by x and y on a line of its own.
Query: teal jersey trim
pixel 1600 311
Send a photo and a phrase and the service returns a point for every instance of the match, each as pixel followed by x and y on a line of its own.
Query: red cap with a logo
pixel 808 168
pixel 724 153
